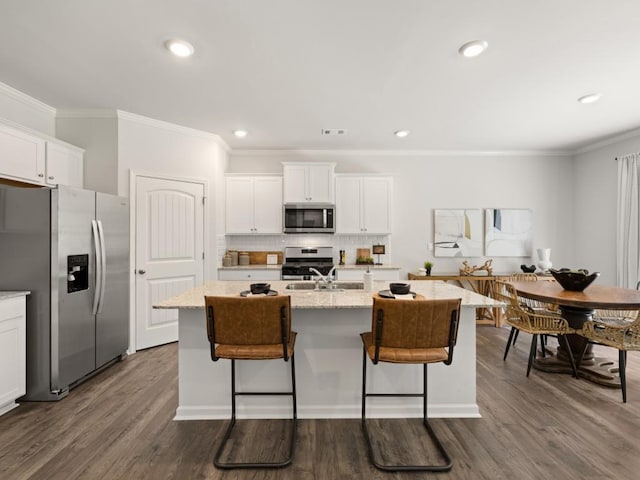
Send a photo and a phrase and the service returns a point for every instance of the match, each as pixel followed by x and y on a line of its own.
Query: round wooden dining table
pixel 577 308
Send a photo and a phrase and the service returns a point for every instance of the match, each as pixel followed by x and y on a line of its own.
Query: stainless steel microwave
pixel 309 218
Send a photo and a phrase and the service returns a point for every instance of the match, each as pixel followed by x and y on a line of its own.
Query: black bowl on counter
pixel 257 288
pixel 400 288
pixel 527 269
pixel 574 280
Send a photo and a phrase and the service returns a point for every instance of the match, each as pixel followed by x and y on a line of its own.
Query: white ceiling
pixel 285 69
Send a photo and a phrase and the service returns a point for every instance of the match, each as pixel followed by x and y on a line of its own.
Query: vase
pixel 428 271
pixel 544 259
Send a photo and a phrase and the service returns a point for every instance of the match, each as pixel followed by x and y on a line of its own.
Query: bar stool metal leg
pixel 227 435
pixel 393 468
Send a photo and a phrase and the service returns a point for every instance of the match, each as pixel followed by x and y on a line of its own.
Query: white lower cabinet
pixel 246 274
pixel 13 353
pixel 356 274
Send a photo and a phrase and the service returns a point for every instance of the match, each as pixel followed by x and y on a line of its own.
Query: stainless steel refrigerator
pixel 70 248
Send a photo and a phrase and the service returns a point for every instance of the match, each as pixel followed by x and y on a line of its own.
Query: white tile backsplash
pixel 349 243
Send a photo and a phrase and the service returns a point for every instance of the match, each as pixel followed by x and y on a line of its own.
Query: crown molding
pixel 26 99
pixel 142 120
pixel 608 141
pixel 406 153
pixel 152 122
pixel 37 133
pixel 87 113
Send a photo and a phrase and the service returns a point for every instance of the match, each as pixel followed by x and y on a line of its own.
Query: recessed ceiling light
pixel 179 48
pixel 401 133
pixel 473 49
pixel 592 97
pixel 240 133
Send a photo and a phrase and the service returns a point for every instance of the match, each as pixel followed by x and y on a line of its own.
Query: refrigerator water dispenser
pixel 77 273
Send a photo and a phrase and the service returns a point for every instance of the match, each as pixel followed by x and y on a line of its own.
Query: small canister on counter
pixel 226 260
pixel 243 258
pixel 234 257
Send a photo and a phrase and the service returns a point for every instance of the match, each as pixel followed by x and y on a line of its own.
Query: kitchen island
pixel 328 356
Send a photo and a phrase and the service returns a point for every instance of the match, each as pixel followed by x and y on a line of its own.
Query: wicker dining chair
pixel 535 305
pixel 536 322
pixel 618 329
pixel 252 328
pixel 524 277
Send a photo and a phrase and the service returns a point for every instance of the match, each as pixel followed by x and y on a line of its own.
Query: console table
pixel 482 284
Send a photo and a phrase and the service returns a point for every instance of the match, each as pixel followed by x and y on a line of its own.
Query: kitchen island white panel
pixel 328 358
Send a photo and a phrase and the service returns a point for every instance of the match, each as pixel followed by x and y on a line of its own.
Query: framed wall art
pixel 508 232
pixel 457 233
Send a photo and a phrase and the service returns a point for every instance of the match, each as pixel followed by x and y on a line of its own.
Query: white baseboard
pixel 205 412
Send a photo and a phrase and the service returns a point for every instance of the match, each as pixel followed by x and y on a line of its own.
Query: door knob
pixel 142 272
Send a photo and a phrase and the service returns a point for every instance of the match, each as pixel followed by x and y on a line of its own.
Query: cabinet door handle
pixel 50 178
pixel 142 272
pixel 41 175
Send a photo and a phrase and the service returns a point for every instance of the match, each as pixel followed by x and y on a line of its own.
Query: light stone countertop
pixel 353 266
pixel 261 266
pixel 253 266
pixel 301 299
pixel 8 295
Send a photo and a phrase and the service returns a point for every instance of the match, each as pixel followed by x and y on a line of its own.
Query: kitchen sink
pixel 333 287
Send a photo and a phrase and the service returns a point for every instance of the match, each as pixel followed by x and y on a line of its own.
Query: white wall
pixel 24 110
pixel 595 184
pixel 150 146
pixel 543 183
pixel 97 133
pixel 118 142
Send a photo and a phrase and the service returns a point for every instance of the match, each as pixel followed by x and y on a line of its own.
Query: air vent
pixel 334 131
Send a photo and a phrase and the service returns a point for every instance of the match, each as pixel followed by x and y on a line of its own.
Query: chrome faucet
pixel 326 280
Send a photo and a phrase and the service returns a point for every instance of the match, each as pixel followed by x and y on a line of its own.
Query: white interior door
pixel 169 252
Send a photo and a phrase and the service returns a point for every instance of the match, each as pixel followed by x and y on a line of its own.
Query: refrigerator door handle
pixel 98 248
pixel 103 267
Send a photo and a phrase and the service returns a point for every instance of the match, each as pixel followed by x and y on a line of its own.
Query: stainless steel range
pixel 298 262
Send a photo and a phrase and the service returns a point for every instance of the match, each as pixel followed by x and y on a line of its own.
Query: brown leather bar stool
pixel 252 328
pixel 411 332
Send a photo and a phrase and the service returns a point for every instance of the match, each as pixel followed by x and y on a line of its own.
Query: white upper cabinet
pixel 22 155
pixel 253 204
pixel 363 204
pixel 30 158
pixel 348 204
pixel 64 165
pixel 308 182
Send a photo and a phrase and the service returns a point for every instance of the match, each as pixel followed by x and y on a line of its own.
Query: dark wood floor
pixel 119 425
